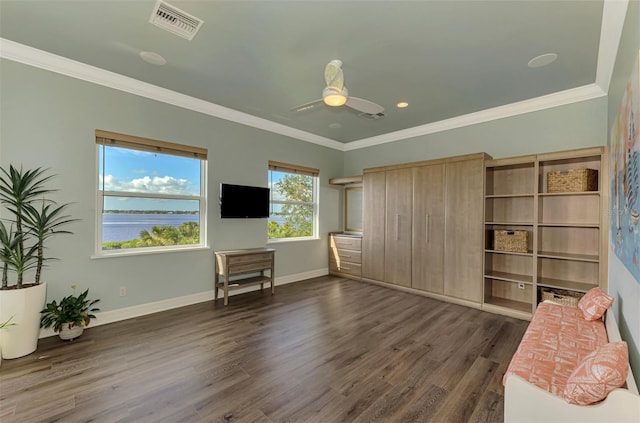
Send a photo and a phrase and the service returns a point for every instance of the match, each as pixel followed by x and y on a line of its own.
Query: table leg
pixel 226 285
pixel 216 279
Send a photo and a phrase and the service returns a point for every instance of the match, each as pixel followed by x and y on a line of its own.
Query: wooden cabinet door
pixel 398 233
pixel 428 229
pixel 463 229
pixel 373 206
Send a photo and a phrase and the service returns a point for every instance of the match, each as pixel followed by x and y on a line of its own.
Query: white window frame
pixel 101 194
pixel 295 169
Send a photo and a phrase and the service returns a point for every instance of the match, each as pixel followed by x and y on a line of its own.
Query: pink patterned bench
pixel 556 342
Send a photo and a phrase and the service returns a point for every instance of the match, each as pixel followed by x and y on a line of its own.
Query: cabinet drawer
pixel 340 255
pixel 250 258
pixel 353 269
pixel 345 242
pixel 249 267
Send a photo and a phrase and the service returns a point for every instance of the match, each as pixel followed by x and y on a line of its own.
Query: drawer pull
pixel 426 224
pixel 397 226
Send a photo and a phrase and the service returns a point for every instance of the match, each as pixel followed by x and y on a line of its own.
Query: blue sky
pixel 139 171
pixel 133 171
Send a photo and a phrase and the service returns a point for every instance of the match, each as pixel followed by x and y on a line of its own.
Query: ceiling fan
pixel 336 94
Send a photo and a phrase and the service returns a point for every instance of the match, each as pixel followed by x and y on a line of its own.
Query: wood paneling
pixel 464 229
pixel 398 227
pixel 428 229
pixel 374 203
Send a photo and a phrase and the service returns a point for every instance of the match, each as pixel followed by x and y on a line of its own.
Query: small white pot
pixel 69 334
pixel 23 306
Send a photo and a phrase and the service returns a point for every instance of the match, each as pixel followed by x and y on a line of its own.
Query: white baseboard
pixel 112 316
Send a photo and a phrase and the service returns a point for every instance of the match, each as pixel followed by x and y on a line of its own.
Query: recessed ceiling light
pixel 402 105
pixel 153 58
pixel 542 60
pixel 335 125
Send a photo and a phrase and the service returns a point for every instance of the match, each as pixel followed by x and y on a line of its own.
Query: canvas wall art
pixel 625 178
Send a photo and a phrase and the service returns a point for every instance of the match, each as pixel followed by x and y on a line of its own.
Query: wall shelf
pixel 509 277
pixel 567 232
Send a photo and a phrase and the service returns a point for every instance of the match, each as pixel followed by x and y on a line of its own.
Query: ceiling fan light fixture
pixel 334 97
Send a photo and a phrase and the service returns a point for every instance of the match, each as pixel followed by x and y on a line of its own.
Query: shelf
pixel 509 277
pixel 569 256
pixel 565 194
pixel 562 284
pixel 346 180
pixel 256 280
pixel 566 230
pixel 570 225
pixel 510 223
pixel 509 196
pixel 530 253
pixel 509 304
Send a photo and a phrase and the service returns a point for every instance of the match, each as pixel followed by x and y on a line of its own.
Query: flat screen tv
pixel 243 202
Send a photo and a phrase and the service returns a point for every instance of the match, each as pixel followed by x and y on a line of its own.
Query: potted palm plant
pixel 70 316
pixel 32 220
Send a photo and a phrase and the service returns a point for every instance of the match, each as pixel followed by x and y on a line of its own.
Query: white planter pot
pixel 24 305
pixel 67 334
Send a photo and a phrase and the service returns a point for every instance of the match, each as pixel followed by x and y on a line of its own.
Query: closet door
pixel 428 229
pixel 463 229
pixel 373 203
pixel 398 234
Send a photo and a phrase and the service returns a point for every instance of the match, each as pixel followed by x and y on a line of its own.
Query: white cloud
pixel 151 185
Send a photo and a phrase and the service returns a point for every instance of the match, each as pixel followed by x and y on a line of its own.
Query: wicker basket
pixel 514 241
pixel 561 296
pixel 575 180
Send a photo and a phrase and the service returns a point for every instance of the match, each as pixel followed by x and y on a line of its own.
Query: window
pixel 294 201
pixel 151 195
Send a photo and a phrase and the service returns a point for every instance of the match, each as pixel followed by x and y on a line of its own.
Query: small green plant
pixel 72 310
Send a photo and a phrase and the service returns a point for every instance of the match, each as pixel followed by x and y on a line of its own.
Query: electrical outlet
pixel 123 291
pixel 521 285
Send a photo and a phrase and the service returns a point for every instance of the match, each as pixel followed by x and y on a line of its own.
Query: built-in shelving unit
pixel 510 202
pixel 567 240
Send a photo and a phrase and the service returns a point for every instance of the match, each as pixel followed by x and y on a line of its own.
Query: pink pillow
pixel 599 373
pixel 594 304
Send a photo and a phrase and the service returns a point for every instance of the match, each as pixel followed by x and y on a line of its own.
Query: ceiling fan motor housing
pixel 335 97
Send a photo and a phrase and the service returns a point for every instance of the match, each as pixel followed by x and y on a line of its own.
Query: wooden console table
pixel 242 262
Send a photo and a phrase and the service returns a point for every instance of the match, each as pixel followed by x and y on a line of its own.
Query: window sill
pixel 285 240
pixel 133 252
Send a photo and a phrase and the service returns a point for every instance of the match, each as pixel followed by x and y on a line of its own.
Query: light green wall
pixel 622 285
pixel 567 127
pixel 47 119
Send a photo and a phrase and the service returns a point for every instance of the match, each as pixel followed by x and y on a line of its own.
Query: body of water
pixel 124 226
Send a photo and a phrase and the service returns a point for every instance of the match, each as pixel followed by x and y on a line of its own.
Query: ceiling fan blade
pixel 306 106
pixel 333 75
pixel 364 106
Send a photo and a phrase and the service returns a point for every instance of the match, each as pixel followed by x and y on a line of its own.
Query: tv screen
pixel 242 202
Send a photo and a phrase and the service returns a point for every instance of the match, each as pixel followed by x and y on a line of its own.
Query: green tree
pixel 162 235
pixel 297 213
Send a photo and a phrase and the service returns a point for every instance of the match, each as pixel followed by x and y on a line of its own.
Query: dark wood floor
pixel 323 350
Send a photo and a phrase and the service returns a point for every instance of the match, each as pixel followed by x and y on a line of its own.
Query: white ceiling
pixel 252 61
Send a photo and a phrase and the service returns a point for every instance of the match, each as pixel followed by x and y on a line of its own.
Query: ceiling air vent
pixel 174 20
pixel 372 116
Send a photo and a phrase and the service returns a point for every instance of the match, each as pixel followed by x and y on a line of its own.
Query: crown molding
pixel 41 59
pixel 614 13
pixel 561 98
pixel 613 17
